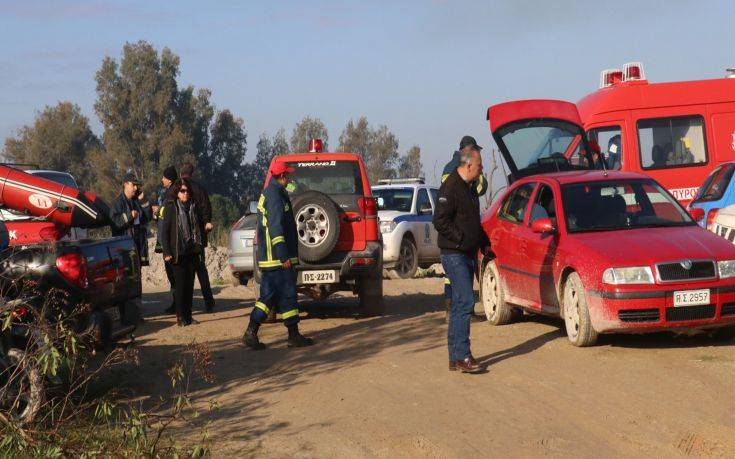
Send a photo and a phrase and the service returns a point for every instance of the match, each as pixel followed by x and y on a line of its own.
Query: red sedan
pixel 606 251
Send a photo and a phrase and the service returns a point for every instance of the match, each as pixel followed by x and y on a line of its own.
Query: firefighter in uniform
pixel 277 253
pixel 479 186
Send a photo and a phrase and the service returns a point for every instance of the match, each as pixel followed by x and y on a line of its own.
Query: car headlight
pixel 726 268
pixel 387 227
pixel 630 275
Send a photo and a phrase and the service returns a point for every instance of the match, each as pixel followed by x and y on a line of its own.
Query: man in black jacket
pixel 201 199
pixel 130 214
pixel 457 220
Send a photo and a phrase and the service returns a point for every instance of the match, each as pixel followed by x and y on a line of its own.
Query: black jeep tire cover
pixel 319 209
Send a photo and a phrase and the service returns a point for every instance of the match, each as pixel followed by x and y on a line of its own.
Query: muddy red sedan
pixel 606 251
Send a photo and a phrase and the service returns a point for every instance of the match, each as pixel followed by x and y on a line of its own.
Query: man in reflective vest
pixel 277 253
pixel 479 186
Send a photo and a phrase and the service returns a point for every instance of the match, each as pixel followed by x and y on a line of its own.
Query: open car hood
pixel 537 136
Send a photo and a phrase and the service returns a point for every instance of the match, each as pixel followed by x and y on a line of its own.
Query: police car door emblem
pixel 686 264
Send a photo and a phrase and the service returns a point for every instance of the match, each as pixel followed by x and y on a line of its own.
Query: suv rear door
pixel 537 136
pixel 343 181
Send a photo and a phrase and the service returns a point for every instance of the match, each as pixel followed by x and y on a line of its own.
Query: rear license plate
pixel 318 277
pixel 691 297
pixel 247 242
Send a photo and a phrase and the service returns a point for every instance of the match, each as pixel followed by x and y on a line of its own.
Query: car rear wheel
pixel 317 225
pixel 497 311
pixel 408 260
pixel 576 313
pixel 21 386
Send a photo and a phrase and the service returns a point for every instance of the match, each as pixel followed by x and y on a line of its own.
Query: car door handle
pixel 352 219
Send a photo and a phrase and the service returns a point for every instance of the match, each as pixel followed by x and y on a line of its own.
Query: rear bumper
pixel 241 263
pixel 346 263
pixel 653 310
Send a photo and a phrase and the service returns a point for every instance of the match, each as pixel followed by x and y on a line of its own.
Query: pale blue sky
pixel 428 70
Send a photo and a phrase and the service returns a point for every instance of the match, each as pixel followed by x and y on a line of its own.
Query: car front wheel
pixel 408 260
pixel 577 314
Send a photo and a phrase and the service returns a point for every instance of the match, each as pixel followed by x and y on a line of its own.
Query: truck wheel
pixel 21 387
pixel 317 225
pixel 408 260
pixel 576 313
pixel 370 294
pixel 497 311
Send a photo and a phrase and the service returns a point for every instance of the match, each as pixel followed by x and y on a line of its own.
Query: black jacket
pixel 122 218
pixel 457 218
pixel 172 241
pixel 201 199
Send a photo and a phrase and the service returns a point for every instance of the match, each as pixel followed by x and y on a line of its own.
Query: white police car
pixel 405 210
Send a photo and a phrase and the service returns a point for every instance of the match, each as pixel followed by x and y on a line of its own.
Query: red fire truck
pixel 674 132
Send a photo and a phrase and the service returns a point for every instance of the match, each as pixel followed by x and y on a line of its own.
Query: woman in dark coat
pixel 181 241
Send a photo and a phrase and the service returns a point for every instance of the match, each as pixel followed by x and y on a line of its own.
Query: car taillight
pixel 73 267
pixel 711 217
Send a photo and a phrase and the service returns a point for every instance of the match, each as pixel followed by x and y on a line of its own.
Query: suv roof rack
pixel 419 180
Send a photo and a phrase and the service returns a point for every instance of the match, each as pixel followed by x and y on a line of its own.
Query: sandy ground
pixel 379 386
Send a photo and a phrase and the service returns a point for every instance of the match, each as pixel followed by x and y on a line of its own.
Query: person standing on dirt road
pixel 181 241
pixel 457 220
pixel 201 198
pixel 165 194
pixel 277 253
pixel 130 214
pixel 468 143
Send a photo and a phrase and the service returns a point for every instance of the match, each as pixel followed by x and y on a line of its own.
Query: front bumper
pixel 392 247
pixel 652 309
pixel 345 263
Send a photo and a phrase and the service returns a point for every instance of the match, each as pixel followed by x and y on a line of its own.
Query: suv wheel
pixel 317 225
pixel 370 293
pixel 408 260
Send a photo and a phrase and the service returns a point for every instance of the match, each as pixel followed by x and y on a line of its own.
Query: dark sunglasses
pixel 184 190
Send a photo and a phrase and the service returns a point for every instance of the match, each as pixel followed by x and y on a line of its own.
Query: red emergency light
pixel 610 77
pixel 633 71
pixel 316 146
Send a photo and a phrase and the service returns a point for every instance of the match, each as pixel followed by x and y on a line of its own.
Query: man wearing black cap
pixel 130 214
pixel 467 144
pixel 169 177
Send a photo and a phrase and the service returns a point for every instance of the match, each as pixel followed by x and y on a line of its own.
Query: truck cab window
pixel 672 142
pixel 610 140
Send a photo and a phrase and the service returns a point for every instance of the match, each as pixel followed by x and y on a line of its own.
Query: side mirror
pixel 253 207
pixel 697 214
pixel 543 225
pixel 425 209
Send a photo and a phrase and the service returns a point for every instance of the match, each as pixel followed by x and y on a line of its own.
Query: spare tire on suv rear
pixel 317 225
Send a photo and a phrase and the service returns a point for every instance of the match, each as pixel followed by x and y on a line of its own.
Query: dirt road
pixel 379 386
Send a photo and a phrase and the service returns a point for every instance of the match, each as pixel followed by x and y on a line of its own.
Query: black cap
pixel 170 173
pixel 130 177
pixel 469 141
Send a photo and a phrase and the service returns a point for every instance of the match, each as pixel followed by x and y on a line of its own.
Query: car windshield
pixel 716 183
pixel 535 143
pixel 328 177
pixel 616 205
pixel 399 199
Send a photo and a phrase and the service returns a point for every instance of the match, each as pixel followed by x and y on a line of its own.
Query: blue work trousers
pixel 277 292
pixel 460 269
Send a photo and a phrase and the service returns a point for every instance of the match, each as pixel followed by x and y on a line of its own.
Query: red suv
pixel 340 248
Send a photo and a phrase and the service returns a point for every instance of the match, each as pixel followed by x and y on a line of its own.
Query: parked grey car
pixel 242 236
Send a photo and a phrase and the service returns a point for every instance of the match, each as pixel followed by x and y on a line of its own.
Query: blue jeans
pixel 460 269
pixel 277 291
